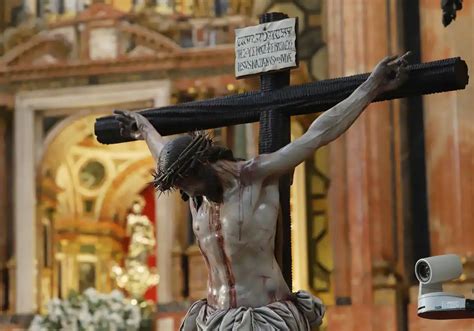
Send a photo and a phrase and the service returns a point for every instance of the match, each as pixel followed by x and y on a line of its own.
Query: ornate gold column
pixel 47 191
pixel 299 219
pixel 70 268
pixel 104 257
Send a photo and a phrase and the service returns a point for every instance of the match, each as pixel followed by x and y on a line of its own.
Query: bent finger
pixel 122 119
pixel 401 60
pixel 389 59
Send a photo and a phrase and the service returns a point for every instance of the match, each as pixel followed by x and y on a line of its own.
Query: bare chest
pixel 245 219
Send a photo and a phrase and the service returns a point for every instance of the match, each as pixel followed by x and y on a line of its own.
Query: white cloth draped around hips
pixel 301 312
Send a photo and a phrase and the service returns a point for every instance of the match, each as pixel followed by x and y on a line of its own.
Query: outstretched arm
pixel 387 75
pixel 136 126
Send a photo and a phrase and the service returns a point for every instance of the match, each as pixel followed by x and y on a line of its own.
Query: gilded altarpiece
pixel 80 226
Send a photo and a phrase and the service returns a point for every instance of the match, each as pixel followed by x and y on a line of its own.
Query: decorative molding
pixel 15 55
pixel 95 12
pixel 62 49
pixel 221 56
pixel 161 43
pixel 68 227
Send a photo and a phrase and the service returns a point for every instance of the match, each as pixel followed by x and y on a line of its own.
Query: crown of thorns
pixel 196 152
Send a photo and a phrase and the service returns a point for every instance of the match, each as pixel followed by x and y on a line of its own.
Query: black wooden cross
pixel 273 106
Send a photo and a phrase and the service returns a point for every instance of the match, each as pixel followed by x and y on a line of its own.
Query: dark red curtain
pixel 149 195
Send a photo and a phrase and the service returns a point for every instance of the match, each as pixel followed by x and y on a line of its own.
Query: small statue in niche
pixel 137 277
pixel 142 236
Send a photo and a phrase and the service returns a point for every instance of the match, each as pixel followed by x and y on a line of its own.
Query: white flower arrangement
pixel 91 311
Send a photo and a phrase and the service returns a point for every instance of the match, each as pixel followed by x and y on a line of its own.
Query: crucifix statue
pixel 235 203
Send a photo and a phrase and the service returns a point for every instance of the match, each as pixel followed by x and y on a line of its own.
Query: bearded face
pixel 202 181
pixel 186 164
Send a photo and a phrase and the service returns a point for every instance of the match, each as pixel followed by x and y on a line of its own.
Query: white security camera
pixel 433 303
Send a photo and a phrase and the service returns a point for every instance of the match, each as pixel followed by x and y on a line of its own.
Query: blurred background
pixel 396 187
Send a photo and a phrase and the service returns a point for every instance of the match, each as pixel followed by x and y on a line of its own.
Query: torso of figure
pixel 236 239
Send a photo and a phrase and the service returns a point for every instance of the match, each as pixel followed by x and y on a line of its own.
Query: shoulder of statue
pixel 248 169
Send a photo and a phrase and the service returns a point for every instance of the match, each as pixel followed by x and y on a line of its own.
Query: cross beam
pixel 425 78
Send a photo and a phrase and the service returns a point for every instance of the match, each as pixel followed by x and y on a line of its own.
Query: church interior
pixel 397 187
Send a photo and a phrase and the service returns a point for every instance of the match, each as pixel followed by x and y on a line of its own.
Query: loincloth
pixel 300 313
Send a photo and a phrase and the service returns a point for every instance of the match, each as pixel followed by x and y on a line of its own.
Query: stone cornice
pixel 16 53
pixel 62 50
pixel 185 59
pixel 96 12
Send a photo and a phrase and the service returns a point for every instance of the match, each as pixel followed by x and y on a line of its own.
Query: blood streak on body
pixel 215 220
pixel 208 266
pixel 241 207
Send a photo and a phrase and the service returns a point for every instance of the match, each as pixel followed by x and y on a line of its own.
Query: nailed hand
pixel 129 124
pixel 390 73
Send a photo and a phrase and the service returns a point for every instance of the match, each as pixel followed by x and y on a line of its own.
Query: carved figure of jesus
pixel 235 204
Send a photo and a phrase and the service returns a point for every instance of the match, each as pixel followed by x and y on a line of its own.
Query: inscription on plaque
pixel 265 47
